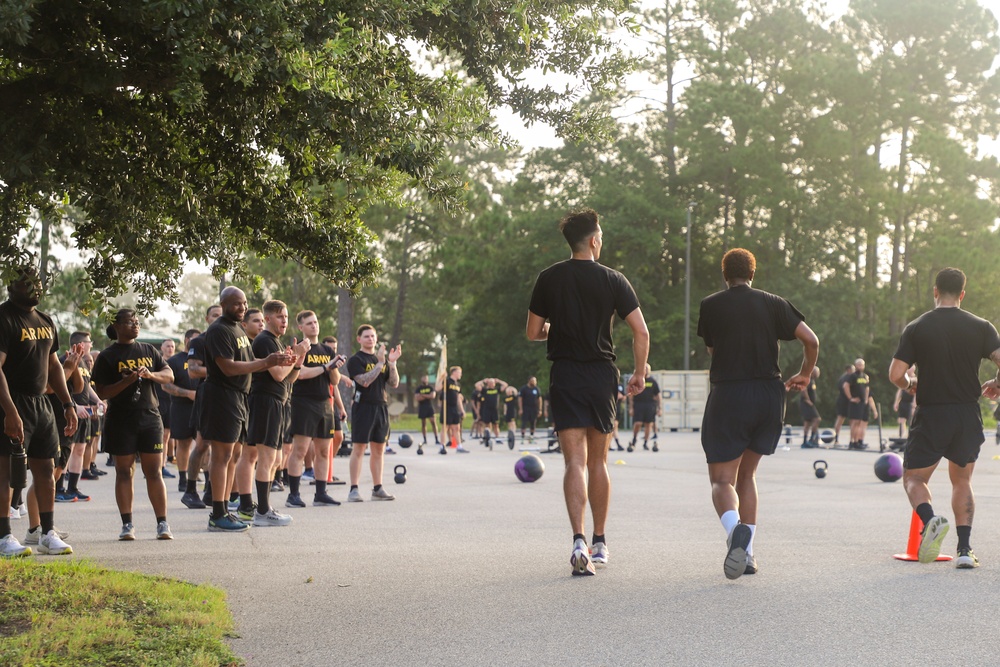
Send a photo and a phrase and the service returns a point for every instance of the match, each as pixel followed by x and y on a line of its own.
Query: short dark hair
pixel 119 316
pixel 950 281
pixel 78 337
pixel 189 334
pixel 329 339
pixel 303 314
pixel 208 311
pixel 365 327
pixel 273 307
pixel 738 264
pixel 578 226
pixel 250 311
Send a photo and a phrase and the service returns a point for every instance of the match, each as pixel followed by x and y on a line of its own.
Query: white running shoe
pixel 735 564
pixel 599 554
pixel 11 548
pixel 50 543
pixel 163 531
pixel 15 513
pixel 355 497
pixel 580 560
pixel 931 539
pixel 382 494
pixel 33 535
pixel 271 518
pixel 128 533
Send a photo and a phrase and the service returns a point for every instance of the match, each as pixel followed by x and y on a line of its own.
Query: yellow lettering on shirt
pixel 133 364
pixel 36 333
pixel 242 342
pixel 318 359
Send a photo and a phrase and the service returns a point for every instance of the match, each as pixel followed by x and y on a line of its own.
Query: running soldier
pixel 947 344
pixel 741 327
pixel 645 408
pixel 579 298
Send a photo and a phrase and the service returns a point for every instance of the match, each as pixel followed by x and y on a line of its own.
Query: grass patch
pixel 74 612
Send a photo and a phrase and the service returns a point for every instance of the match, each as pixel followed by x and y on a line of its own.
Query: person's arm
pixel 899 375
pixel 13 428
pixel 810 352
pixel 846 390
pixel 57 380
pixel 232 367
pixel 895 402
pixel 871 406
pixel 537 328
pixel 394 355
pixel 180 392
pixel 106 391
pixel 338 401
pixel 502 385
pixel 991 388
pixel 196 369
pixel 71 367
pixel 640 351
pixel 163 376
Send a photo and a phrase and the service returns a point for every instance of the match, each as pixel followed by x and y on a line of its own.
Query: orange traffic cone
pixel 454 442
pixel 913 544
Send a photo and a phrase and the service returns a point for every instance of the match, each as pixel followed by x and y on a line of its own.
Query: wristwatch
pixel 69 406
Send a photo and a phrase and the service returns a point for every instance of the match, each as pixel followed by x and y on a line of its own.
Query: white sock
pixel 753 531
pixel 729 521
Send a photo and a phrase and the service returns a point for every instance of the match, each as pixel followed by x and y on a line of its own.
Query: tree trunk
pixel 345 322
pixel 897 231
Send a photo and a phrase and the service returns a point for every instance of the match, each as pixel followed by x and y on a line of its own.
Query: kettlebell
pixel 820 468
pixel 400 471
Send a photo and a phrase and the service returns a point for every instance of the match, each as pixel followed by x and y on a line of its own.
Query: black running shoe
pixel 192 501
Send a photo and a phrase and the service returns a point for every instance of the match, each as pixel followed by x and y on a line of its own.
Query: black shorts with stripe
pixel 312 418
pixel 740 416
pixel 369 422
pixel 130 432
pixel 267 420
pixel 224 414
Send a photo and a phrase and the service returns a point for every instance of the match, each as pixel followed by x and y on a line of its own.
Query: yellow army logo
pixel 317 359
pixel 36 333
pixel 133 364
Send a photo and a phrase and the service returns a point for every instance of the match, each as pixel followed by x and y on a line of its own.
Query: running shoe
pixel 308 474
pixel 966 559
pixel 599 553
pixel 580 560
pixel 88 474
pixel 82 497
pixel 294 500
pixel 227 524
pixel 271 518
pixel 127 534
pixel 163 531
pixel 655 448
pixel 631 447
pixel 97 471
pixel 354 497
pixel 11 548
pixel 461 450
pixel 277 486
pixel 324 499
pixel 50 543
pixel 33 535
pixel 232 505
pixel 206 497
pixel 931 538
pixel 751 565
pixel 182 485
pixel 443 450
pixel 166 474
pixel 192 501
pixel 420 450
pixel 382 494
pixel 736 551
pixel 246 514
pixel 64 497
pixel 645 445
pixel 15 513
pixel 389 450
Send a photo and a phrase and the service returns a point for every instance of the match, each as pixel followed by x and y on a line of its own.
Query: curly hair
pixel 738 264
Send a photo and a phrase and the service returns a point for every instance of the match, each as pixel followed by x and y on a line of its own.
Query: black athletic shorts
pixel 65 441
pixel 905 411
pixel 337 425
pixel 41 440
pixel 369 422
pixel 809 412
pixel 128 432
pixel 488 416
pixel 82 430
pixel 528 418
pixel 199 397
pixel 286 424
pixel 267 420
pixel 223 414
pixel 583 395
pixel 644 413
pixel 511 413
pixel 96 426
pixel 954 432
pixel 312 418
pixel 425 410
pixel 742 415
pixel 181 427
pixel 843 406
pixel 165 408
pixel 857 411
pixel 453 417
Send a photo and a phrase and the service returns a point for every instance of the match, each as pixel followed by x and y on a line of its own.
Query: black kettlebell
pixel 400 471
pixel 820 468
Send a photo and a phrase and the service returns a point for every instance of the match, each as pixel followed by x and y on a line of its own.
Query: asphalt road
pixel 471 567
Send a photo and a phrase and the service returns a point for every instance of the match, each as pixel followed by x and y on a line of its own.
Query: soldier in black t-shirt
pixel 124 375
pixel 167 349
pixel 645 408
pixel 810 414
pixel 229 362
pixel 454 408
pixel 857 391
pixel 510 401
pixel 476 401
pixel 425 395
pixel 843 402
pixel 572 307
pixel 742 327
pixel 29 343
pixel 199 452
pixel 619 413
pixel 313 422
pixel 530 403
pixel 182 392
pixel 372 371
pixel 489 403
pixel 948 345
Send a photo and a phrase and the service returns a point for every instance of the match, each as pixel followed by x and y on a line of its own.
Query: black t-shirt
pixel 649 393
pixel 579 298
pixel 196 350
pixel 743 325
pixel 424 390
pixel 947 345
pixel 529 398
pixel 477 400
pixel 809 393
pixel 227 339
pixel 179 365
pixel 263 382
pixel 361 363
pixel 860 385
pixel 489 400
pixel 510 403
pixel 841 381
pixel 111 365
pixel 28 339
pixel 317 388
pixel 85 397
pixel 452 390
